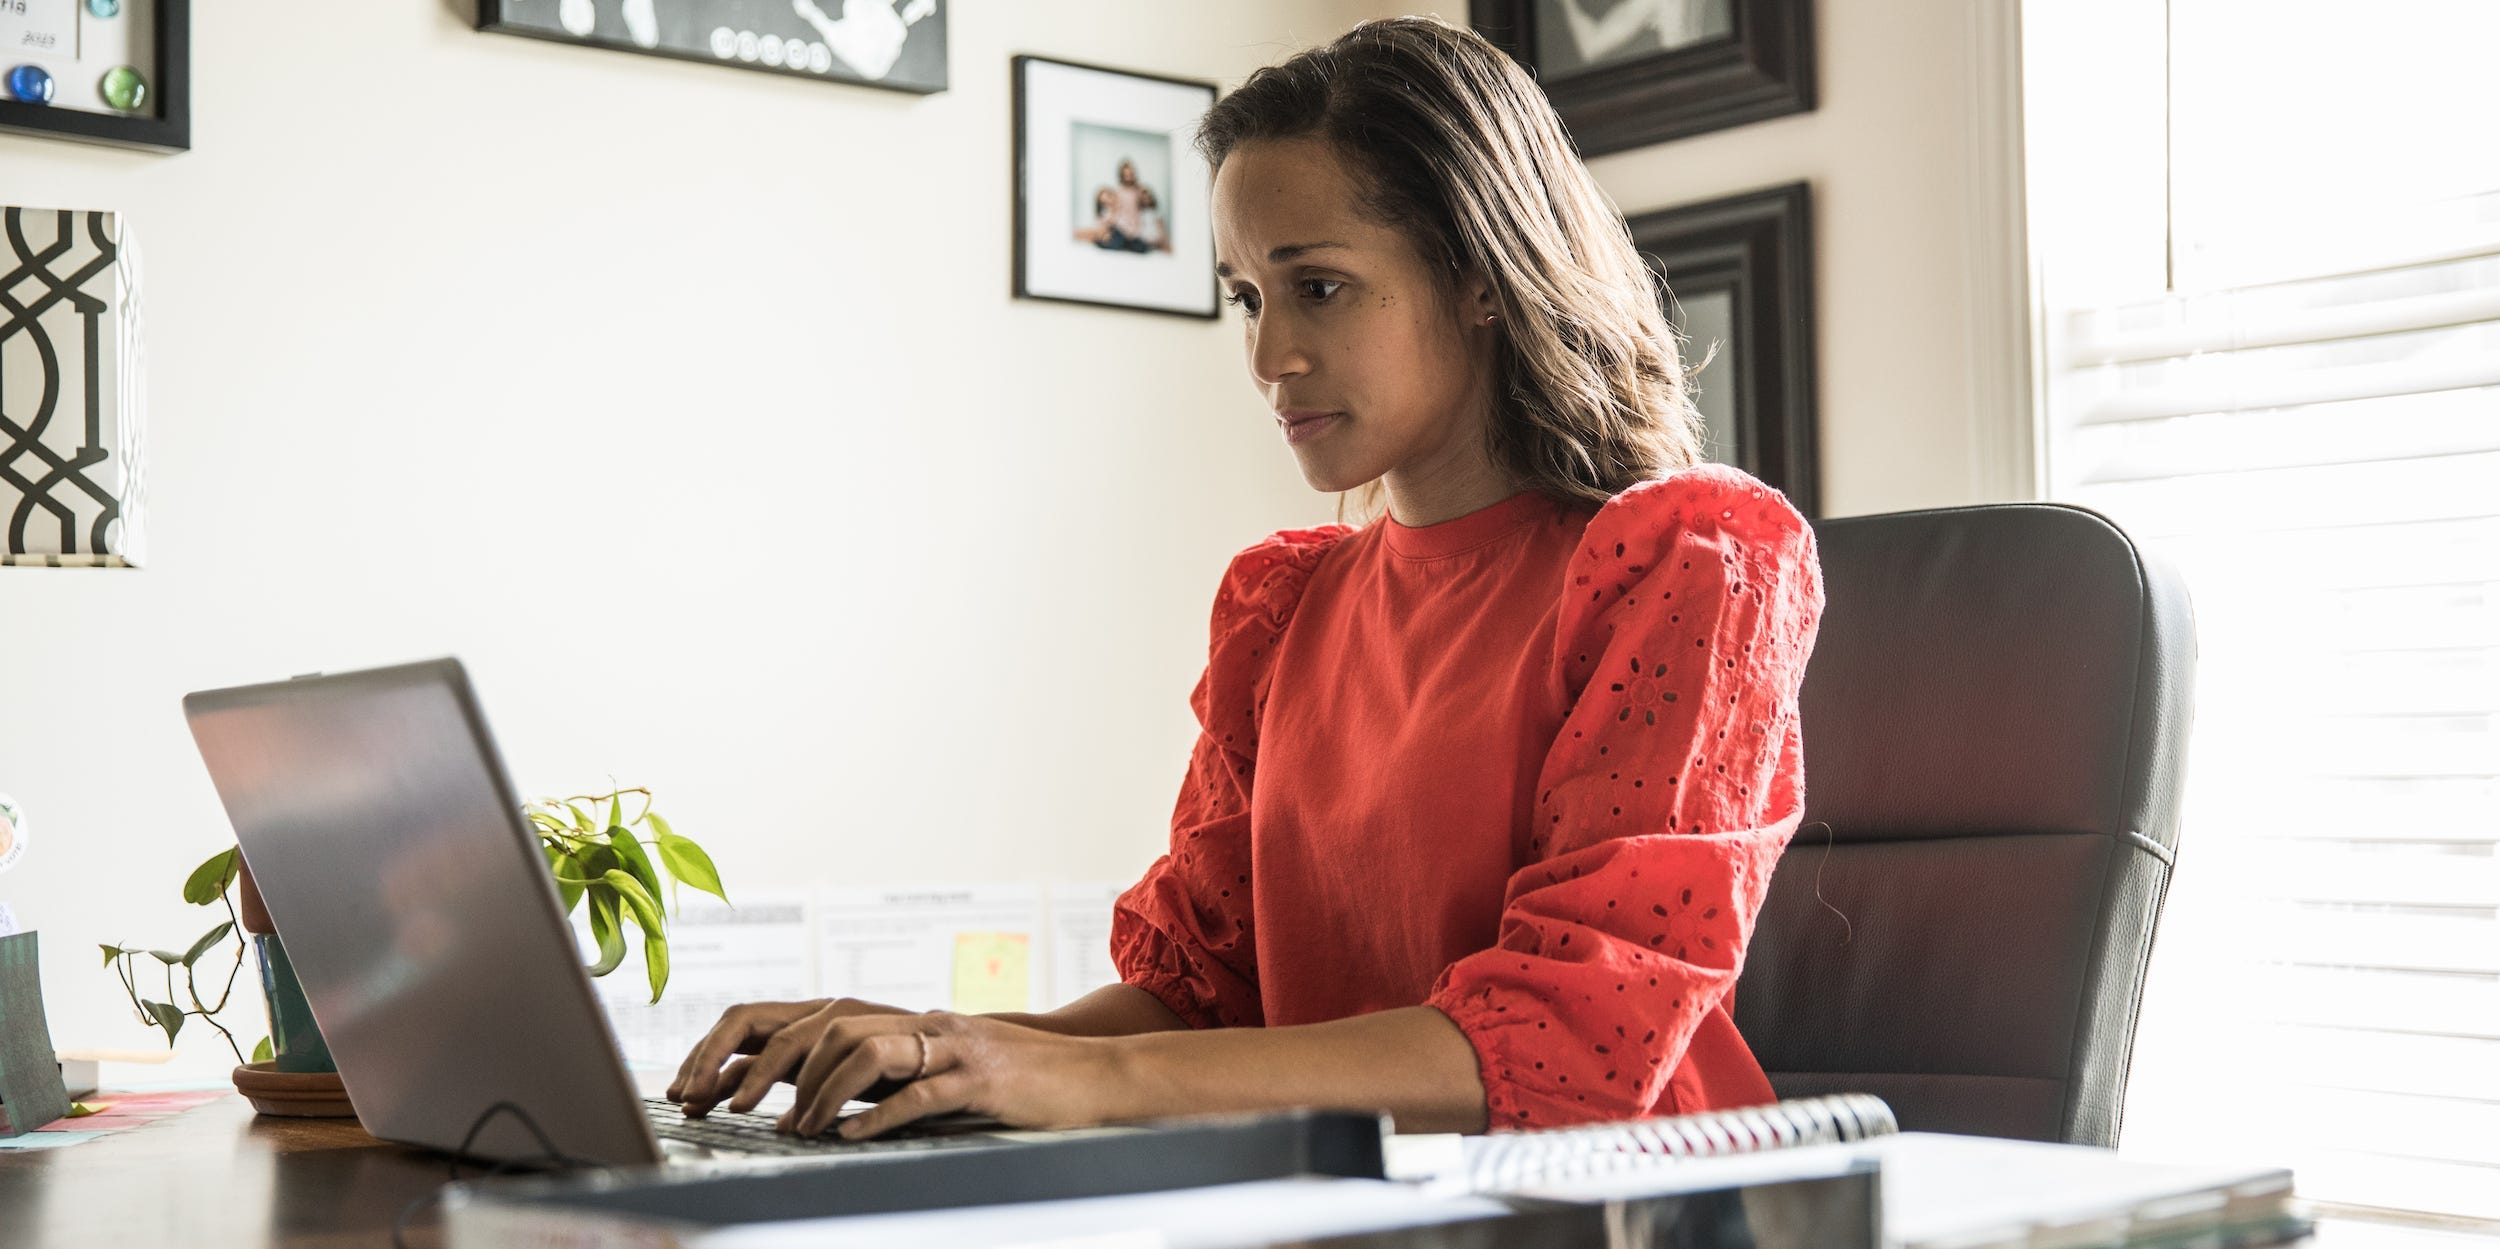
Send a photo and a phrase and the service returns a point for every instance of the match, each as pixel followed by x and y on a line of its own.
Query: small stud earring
pixel 1490 318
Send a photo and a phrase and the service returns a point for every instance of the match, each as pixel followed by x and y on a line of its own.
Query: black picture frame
pixel 168 131
pixel 505 17
pixel 1758 250
pixel 1022 287
pixel 1764 68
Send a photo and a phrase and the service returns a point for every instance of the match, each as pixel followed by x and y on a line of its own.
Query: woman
pixel 1489 789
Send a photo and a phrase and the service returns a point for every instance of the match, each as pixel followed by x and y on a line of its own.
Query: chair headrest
pixel 1998 669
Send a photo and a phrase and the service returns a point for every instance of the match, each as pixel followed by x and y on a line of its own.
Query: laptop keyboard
pixel 753 1134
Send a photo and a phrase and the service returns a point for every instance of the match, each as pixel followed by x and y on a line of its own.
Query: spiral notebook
pixel 1504 1161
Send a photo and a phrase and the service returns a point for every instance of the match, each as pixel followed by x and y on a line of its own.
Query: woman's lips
pixel 1301 427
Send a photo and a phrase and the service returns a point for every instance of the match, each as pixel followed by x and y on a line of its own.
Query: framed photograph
pixel 1629 73
pixel 116 72
pixel 1111 194
pixel 896 44
pixel 1739 281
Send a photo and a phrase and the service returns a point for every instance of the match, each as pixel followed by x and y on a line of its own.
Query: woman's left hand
pixel 1023 1077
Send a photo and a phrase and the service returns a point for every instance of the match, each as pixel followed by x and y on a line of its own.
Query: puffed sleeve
pixel 1662 805
pixel 1184 933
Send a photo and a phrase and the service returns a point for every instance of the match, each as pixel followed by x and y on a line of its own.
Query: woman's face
pixel 1342 317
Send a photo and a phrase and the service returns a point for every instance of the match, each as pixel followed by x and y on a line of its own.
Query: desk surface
pixel 219 1175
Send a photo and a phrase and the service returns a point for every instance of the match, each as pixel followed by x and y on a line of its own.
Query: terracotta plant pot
pixel 301 1080
pixel 313 1095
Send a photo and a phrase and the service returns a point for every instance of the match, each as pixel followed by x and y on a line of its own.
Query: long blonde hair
pixel 1460 152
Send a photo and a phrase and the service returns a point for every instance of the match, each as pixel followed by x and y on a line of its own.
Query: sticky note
pixel 993 971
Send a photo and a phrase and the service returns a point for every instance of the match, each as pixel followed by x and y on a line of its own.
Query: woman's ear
pixel 1475 296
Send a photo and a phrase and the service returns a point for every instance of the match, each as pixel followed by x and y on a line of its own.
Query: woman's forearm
pixel 1412 1062
pixel 1116 1010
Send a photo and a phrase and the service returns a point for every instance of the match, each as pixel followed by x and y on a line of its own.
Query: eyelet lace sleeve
pixel 1662 805
pixel 1184 933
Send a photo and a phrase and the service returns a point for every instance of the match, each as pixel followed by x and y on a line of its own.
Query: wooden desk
pixel 220 1176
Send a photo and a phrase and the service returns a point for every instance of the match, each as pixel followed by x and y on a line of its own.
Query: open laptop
pixel 392 852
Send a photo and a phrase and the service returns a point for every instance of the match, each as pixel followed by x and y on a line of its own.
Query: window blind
pixel 2319 456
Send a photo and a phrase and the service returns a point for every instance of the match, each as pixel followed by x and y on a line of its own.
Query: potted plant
pixel 606 864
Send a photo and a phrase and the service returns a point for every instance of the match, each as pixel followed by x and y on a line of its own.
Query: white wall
pixel 688 406
pixel 1918 329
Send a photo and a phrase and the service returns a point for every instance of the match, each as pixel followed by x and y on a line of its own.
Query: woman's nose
pixel 1276 353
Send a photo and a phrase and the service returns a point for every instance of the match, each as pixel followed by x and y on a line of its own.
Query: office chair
pixel 1994 721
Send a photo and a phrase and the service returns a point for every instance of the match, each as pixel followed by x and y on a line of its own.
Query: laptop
pixel 391 849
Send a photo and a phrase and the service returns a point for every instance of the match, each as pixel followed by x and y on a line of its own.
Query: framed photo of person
pixel 1629 73
pixel 1111 194
pixel 116 72
pixel 896 44
pixel 1739 281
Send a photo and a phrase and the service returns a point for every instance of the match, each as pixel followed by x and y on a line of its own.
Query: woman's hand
pixel 701 1081
pixel 946 1062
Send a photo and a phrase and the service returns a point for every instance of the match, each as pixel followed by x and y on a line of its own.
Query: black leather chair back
pixel 1994 719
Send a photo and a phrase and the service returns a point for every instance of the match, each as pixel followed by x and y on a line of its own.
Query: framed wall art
pixel 72 367
pixel 1628 73
pixel 1739 277
pixel 98 71
pixel 1111 194
pixel 896 44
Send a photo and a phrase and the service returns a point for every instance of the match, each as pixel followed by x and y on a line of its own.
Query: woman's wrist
pixel 1135 1082
pixel 1415 1063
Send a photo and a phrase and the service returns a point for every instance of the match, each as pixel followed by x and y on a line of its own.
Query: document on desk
pixel 719 956
pixel 1968 1192
pixel 944 947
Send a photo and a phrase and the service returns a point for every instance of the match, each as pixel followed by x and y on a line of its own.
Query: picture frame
pixel 895 45
pixel 1739 272
pixel 143 41
pixel 1620 82
pixel 1111 195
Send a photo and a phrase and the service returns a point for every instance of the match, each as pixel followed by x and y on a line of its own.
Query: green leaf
pixel 560 864
pixel 687 862
pixel 167 957
pixel 597 860
pixel 111 952
pixel 616 813
pixel 168 1017
pixel 604 927
pixel 262 1052
pixel 655 961
pixel 202 946
pixel 646 912
pixel 630 853
pixel 209 880
pixel 581 818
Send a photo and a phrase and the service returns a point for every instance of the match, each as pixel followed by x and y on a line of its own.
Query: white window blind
pixel 2304 420
pixel 2311 435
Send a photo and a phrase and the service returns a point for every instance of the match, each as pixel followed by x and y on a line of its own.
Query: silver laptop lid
pixel 417 910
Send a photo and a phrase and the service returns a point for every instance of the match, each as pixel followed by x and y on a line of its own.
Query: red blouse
pixel 1532 767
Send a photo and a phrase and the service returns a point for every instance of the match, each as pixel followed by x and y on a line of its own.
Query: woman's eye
pixel 1248 301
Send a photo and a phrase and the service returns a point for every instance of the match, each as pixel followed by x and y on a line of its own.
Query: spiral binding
pixel 1511 1159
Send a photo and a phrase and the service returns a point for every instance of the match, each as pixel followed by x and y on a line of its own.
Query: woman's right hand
pixel 702 1082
